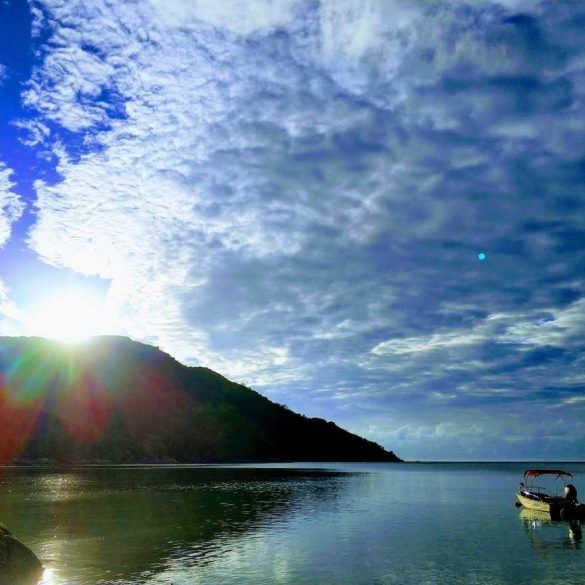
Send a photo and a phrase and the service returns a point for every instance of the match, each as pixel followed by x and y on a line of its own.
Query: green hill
pixel 113 400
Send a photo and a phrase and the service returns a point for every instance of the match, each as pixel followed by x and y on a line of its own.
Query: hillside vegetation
pixel 113 400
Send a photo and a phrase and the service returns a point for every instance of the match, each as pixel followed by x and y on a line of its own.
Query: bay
pixel 415 523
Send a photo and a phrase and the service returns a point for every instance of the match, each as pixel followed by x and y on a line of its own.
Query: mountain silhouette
pixel 114 400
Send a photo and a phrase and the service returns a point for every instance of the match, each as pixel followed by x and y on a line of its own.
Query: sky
pixel 372 211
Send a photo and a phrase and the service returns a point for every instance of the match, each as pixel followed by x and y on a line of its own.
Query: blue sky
pixel 295 193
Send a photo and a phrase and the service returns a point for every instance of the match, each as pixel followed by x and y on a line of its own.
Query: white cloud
pixel 573 400
pixel 11 317
pixel 425 343
pixel 355 30
pixel 11 207
pixel 36 131
pixel 239 16
pixel 561 327
pixel 38 19
pixel 439 431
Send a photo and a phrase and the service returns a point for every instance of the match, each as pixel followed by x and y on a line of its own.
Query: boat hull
pixel 533 504
pixel 556 507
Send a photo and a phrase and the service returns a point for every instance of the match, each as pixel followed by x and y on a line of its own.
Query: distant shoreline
pixel 48 465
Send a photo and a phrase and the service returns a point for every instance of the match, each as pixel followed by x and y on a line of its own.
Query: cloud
pixel 295 194
pixel 11 315
pixel 565 327
pixel 417 344
pixel 560 327
pixel 572 401
pixel 36 131
pixel 37 20
pixel 11 207
pixel 239 16
pixel 499 440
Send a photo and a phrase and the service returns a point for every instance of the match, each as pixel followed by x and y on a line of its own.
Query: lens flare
pixel 71 316
pixel 72 398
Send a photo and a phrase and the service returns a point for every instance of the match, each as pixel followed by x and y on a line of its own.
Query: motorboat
pixel 563 506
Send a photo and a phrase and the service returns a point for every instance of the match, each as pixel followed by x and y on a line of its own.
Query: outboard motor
pixel 571 493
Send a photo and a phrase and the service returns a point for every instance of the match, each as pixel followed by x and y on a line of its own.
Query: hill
pixel 113 400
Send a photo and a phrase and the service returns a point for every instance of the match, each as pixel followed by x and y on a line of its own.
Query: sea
pixel 301 524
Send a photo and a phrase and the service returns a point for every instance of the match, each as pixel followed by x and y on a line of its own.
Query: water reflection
pixel 47 578
pixel 128 524
pixel 545 534
pixel 349 525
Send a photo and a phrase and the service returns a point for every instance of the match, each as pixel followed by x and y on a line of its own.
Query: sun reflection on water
pixel 62 487
pixel 48 578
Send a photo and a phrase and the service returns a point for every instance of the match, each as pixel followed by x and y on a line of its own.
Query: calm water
pixel 310 524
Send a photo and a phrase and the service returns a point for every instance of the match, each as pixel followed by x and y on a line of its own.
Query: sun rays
pixel 71 316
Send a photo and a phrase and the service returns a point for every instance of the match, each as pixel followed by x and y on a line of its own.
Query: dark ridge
pixel 114 400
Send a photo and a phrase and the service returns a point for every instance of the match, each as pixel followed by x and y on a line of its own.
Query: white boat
pixel 562 506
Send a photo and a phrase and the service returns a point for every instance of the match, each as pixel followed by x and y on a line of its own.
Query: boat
pixel 563 506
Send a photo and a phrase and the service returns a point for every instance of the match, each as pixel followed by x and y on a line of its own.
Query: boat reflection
pixel 545 533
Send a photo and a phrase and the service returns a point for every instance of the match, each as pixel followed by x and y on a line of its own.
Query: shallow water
pixel 300 524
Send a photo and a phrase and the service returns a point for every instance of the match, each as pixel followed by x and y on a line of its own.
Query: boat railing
pixel 536 488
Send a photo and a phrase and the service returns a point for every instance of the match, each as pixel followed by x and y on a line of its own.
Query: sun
pixel 71 316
